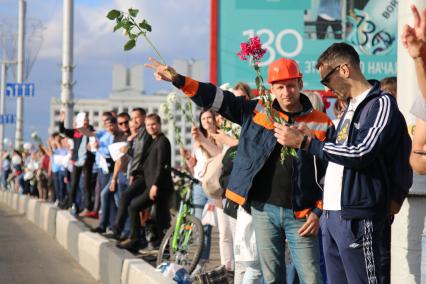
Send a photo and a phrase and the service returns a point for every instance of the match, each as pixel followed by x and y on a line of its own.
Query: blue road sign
pixel 20 90
pixel 8 118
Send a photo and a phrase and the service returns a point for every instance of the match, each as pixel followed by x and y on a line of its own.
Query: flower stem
pixel 149 41
pixel 155 49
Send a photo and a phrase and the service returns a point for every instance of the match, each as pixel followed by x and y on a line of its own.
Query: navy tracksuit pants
pixel 351 249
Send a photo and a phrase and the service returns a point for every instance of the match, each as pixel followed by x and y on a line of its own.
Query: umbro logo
pixel 354 245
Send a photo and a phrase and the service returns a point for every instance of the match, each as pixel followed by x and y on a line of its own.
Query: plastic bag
pixel 209 216
pixel 245 239
pixel 174 271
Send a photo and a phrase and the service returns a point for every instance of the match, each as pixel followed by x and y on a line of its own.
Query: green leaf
pixel 118 26
pixel 126 24
pixel 144 25
pixel 130 44
pixel 113 14
pixel 133 12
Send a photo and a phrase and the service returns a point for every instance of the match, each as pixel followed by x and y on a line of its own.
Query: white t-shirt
pixel 334 175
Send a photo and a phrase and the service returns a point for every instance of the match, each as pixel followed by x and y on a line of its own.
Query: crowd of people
pixel 330 205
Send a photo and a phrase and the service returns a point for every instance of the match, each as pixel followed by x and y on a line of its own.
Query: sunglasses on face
pixel 124 122
pixel 327 77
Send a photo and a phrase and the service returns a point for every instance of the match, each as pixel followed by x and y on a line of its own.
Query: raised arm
pixel 67 132
pixel 205 95
pixel 414 40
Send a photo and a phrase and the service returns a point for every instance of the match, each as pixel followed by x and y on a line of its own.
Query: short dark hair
pixel 338 52
pixel 107 113
pixel 123 115
pixel 111 120
pixel 140 110
pixel 154 117
pixel 55 134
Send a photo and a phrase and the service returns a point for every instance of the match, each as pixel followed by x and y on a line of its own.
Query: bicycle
pixel 183 242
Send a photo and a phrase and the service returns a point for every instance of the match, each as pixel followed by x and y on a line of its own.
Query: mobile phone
pixel 419 152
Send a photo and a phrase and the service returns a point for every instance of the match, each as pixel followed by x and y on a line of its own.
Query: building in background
pixel 127 93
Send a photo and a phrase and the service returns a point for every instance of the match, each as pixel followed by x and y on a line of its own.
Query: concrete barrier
pixel 68 229
pixel 89 251
pixel 9 199
pixel 33 210
pixel 423 261
pixel 138 271
pixel 48 218
pixel 15 201
pixel 23 204
pixel 96 254
pixel 111 261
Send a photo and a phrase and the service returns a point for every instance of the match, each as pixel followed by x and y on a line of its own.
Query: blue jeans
pixel 273 225
pixel 199 199
pixel 106 200
pixel 59 186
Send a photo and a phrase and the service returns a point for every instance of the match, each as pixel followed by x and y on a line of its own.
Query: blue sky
pixel 180 30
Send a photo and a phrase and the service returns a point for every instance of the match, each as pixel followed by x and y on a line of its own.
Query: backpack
pixel 400 175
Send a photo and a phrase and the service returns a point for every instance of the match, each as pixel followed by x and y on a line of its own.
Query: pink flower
pixel 252 48
pixel 325 102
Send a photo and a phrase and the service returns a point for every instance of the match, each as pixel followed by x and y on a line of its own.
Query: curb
pixel 96 254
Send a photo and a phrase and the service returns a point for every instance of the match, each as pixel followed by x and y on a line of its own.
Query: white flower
pixel 163 109
pixel 171 98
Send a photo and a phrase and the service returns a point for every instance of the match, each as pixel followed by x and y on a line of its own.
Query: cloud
pixel 179 29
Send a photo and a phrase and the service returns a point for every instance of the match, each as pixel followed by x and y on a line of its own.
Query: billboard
pixel 302 30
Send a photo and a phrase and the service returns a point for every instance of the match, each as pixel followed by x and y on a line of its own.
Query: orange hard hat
pixel 283 69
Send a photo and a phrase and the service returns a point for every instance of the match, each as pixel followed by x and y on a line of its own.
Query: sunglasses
pixel 123 122
pixel 327 77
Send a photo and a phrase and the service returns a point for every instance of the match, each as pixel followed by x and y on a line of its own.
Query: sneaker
pixel 84 213
pixel 74 210
pixel 92 214
pixel 112 235
pixel 98 230
pixel 131 245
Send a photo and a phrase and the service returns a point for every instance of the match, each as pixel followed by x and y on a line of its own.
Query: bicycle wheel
pixel 187 255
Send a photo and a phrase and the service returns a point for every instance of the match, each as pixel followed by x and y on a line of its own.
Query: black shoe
pixel 129 244
pixel 98 230
pixel 112 235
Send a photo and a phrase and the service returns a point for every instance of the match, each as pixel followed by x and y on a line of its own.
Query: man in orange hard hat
pixel 284 196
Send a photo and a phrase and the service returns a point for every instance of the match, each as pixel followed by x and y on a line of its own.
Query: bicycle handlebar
pixel 184 175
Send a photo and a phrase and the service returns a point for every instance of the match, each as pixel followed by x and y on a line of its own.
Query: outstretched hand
pixel 414 37
pixel 162 72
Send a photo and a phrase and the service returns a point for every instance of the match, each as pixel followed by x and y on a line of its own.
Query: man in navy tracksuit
pixel 368 174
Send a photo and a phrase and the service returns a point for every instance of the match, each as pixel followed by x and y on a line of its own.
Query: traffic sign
pixel 8 118
pixel 20 90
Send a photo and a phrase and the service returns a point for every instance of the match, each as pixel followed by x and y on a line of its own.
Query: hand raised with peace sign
pixel 414 37
pixel 162 72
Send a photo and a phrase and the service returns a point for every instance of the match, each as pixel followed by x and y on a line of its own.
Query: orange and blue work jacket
pixel 257 142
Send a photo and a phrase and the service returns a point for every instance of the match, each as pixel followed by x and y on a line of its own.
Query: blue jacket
pixel 257 142
pixel 375 159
